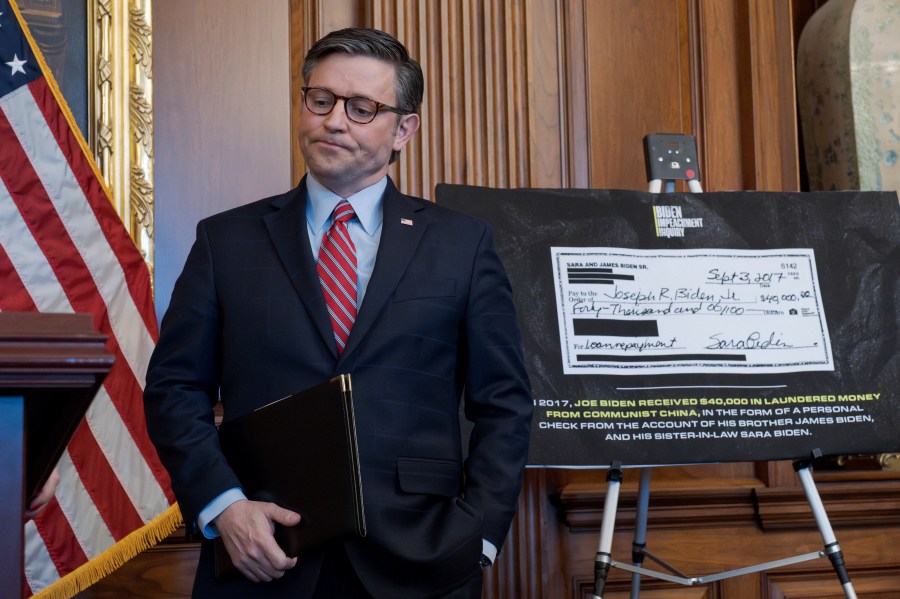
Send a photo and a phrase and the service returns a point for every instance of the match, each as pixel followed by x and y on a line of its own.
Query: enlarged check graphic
pixel 628 311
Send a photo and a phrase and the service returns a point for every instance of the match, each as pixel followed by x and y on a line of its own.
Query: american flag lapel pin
pixel 406 221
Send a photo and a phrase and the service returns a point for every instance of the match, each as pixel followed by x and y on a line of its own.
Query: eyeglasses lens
pixel 358 109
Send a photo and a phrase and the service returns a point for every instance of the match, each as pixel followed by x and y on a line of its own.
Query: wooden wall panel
pixel 520 570
pixel 492 108
pixel 576 148
pixel 704 530
pixel 720 72
pixel 545 60
pixel 868 584
pixel 638 76
pixel 699 551
pixel 743 94
pixel 222 126
pixel 774 115
pixel 165 571
pixel 559 93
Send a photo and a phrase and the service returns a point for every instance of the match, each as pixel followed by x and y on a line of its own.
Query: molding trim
pixel 875 503
pixel 582 507
pixel 850 503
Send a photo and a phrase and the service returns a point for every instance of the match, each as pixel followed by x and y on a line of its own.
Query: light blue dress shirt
pixel 365 229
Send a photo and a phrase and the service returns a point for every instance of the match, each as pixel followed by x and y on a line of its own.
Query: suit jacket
pixel 247 321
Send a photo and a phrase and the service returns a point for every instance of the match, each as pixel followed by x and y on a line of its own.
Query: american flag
pixel 63 248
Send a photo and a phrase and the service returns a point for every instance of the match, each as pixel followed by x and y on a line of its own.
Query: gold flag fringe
pixel 113 558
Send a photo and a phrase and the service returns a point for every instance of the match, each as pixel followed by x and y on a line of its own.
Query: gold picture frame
pixel 120 84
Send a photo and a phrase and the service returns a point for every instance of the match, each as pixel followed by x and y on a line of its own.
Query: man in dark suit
pixel 346 274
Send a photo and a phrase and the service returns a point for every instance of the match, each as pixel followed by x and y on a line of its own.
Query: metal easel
pixel 669 158
pixel 604 561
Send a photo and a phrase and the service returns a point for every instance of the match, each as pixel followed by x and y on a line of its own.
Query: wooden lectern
pixel 51 366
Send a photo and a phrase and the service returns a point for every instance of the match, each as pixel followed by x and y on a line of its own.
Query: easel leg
pixel 832 548
pixel 640 531
pixel 607 524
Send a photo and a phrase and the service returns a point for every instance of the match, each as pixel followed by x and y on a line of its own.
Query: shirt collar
pixel 366 204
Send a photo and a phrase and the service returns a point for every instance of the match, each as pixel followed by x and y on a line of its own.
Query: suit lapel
pixel 401 230
pixel 287 229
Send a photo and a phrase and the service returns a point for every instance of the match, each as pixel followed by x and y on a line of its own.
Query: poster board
pixel 689 328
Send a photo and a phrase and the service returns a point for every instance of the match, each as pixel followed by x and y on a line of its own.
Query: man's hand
pixel 247 529
pixel 44 497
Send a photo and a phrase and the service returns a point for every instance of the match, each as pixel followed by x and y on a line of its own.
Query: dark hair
pixel 409 83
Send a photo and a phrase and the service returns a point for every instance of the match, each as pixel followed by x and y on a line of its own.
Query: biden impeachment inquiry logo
pixel 671 222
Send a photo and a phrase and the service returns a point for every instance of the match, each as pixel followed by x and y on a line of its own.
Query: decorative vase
pixel 848 90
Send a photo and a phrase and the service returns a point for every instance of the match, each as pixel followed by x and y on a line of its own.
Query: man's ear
pixel 403 132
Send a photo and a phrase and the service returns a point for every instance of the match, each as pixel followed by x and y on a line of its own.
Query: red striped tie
pixel 337 273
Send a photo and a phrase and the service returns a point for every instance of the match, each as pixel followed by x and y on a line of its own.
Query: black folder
pixel 300 452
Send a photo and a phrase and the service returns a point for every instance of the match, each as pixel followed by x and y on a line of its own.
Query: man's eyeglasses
pixel 360 110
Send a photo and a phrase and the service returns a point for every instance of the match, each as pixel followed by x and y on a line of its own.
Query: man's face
pixel 343 155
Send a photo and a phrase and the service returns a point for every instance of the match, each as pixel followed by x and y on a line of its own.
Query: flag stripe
pixel 27 257
pixel 42 571
pixel 22 248
pixel 123 251
pixel 43 222
pixel 64 191
pixel 61 546
pixel 113 504
pixel 51 227
pixel 16 236
pixel 31 205
pixel 121 450
pixel 15 296
pixel 125 459
pixel 79 513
